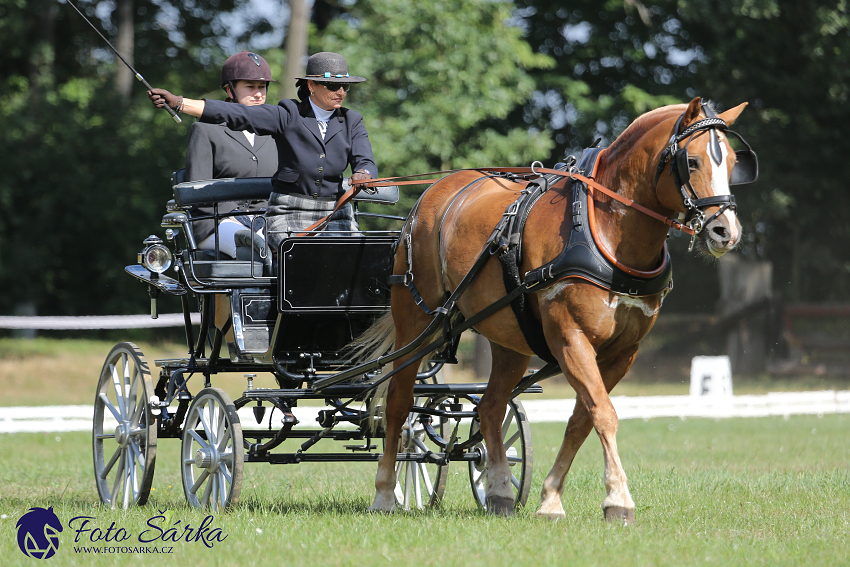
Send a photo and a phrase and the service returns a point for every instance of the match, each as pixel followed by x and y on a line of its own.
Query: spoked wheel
pixel 516 436
pixel 211 451
pixel 124 431
pixel 420 485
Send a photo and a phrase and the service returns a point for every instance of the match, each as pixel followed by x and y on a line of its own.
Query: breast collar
pixel 582 257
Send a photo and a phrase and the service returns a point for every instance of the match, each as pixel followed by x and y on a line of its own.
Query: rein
pixel 366 184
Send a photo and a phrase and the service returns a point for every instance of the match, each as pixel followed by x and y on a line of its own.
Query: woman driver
pixel 317 140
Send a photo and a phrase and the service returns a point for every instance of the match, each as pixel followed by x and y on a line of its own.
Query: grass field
pixel 48 371
pixel 768 491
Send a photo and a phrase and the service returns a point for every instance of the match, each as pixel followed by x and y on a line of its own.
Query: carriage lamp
pixel 156 257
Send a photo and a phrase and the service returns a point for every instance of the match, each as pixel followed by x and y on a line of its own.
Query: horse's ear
pixel 692 113
pixel 732 114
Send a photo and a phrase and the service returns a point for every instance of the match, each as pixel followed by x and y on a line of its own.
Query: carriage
pixel 291 317
pixel 575 271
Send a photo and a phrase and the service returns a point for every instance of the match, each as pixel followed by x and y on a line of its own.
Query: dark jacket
pixel 307 164
pixel 216 151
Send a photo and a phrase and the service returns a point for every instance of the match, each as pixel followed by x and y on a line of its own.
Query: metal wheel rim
pixel 211 452
pixel 516 436
pixel 124 450
pixel 420 485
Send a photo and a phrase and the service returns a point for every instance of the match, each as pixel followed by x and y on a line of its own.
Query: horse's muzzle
pixel 722 234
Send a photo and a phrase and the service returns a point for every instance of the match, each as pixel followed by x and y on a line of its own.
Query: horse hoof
pixel 620 515
pixel 499 506
pixel 552 516
pixel 374 509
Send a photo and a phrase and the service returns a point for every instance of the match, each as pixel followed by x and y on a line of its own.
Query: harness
pixel 580 258
pixel 746 168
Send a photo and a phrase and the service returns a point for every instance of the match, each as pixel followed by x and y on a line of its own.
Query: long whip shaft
pixel 136 73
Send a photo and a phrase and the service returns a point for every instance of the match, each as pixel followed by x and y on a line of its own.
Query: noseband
pixel 744 171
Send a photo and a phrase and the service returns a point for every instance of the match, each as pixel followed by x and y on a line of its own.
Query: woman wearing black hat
pixel 216 151
pixel 317 140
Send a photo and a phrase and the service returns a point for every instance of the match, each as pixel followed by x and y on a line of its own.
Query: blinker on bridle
pixel 745 170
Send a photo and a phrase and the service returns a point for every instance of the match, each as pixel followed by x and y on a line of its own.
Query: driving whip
pixel 136 73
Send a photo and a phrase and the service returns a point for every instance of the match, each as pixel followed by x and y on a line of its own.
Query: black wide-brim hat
pixel 328 67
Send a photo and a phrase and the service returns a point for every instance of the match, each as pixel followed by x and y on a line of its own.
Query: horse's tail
pixel 374 342
pixel 377 401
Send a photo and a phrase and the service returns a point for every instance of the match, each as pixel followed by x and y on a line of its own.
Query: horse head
pixel 700 167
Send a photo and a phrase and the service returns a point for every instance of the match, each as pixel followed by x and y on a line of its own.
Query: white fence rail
pixel 79 417
pixel 96 322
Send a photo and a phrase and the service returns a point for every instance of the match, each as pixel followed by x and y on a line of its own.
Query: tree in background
pixel 442 78
pixel 788 59
pixel 85 175
pixel 451 84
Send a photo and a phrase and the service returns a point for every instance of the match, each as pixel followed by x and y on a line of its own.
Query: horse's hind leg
pixel 593 409
pixel 399 400
pixel 508 368
pixel 409 321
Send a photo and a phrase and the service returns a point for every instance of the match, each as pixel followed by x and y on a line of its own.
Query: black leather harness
pixel 580 258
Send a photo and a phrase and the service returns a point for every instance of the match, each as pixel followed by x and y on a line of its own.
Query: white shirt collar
pixel 322 115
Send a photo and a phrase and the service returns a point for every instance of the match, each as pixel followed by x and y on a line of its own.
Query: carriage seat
pixel 228 269
pixel 209 191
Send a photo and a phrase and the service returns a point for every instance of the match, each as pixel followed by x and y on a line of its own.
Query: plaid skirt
pixel 288 214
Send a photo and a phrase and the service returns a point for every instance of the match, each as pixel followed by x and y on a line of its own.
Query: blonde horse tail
pixel 375 341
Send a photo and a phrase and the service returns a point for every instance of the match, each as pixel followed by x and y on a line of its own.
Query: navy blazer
pixel 217 151
pixel 307 164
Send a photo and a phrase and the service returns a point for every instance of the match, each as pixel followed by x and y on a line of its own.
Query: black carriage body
pixel 293 319
pixel 330 290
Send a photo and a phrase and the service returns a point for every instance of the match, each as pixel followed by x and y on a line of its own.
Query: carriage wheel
pixel 211 451
pixel 516 436
pixel 418 484
pixel 421 485
pixel 124 431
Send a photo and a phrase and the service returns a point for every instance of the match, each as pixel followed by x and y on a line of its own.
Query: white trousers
pixel 227 230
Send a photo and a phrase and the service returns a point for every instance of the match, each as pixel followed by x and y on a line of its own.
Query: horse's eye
pixel 692 164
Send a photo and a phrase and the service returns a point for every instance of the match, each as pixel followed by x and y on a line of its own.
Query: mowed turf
pixel 767 491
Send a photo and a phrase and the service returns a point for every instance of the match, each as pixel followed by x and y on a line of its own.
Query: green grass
pixel 768 491
pixel 49 371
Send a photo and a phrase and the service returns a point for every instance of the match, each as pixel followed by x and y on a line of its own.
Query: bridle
pixel 745 169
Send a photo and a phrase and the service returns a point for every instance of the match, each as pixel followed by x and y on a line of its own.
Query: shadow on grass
pixel 348 506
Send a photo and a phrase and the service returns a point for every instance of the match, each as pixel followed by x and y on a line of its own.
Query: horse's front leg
pixel 578 428
pixel 398 402
pixel 508 368
pixel 577 359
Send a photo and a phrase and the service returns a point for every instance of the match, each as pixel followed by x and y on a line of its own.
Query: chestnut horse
pixel 592 332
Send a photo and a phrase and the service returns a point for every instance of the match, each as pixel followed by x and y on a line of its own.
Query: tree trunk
pixel 124 44
pixel 296 45
pixel 42 55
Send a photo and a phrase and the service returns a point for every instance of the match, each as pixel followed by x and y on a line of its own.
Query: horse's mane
pixel 641 126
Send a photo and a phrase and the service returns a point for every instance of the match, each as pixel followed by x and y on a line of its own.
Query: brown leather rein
pixel 357 186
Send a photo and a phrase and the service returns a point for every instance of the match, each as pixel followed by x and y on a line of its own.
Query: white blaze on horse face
pixel 720 186
pixel 719 174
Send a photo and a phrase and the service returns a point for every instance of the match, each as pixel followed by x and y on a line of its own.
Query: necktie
pixel 323 128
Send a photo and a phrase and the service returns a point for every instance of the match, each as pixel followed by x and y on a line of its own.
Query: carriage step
pixel 361 447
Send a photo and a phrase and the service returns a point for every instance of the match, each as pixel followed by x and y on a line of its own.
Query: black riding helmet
pixel 244 66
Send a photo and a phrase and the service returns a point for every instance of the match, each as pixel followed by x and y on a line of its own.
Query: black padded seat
pixel 208 191
pixel 227 269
